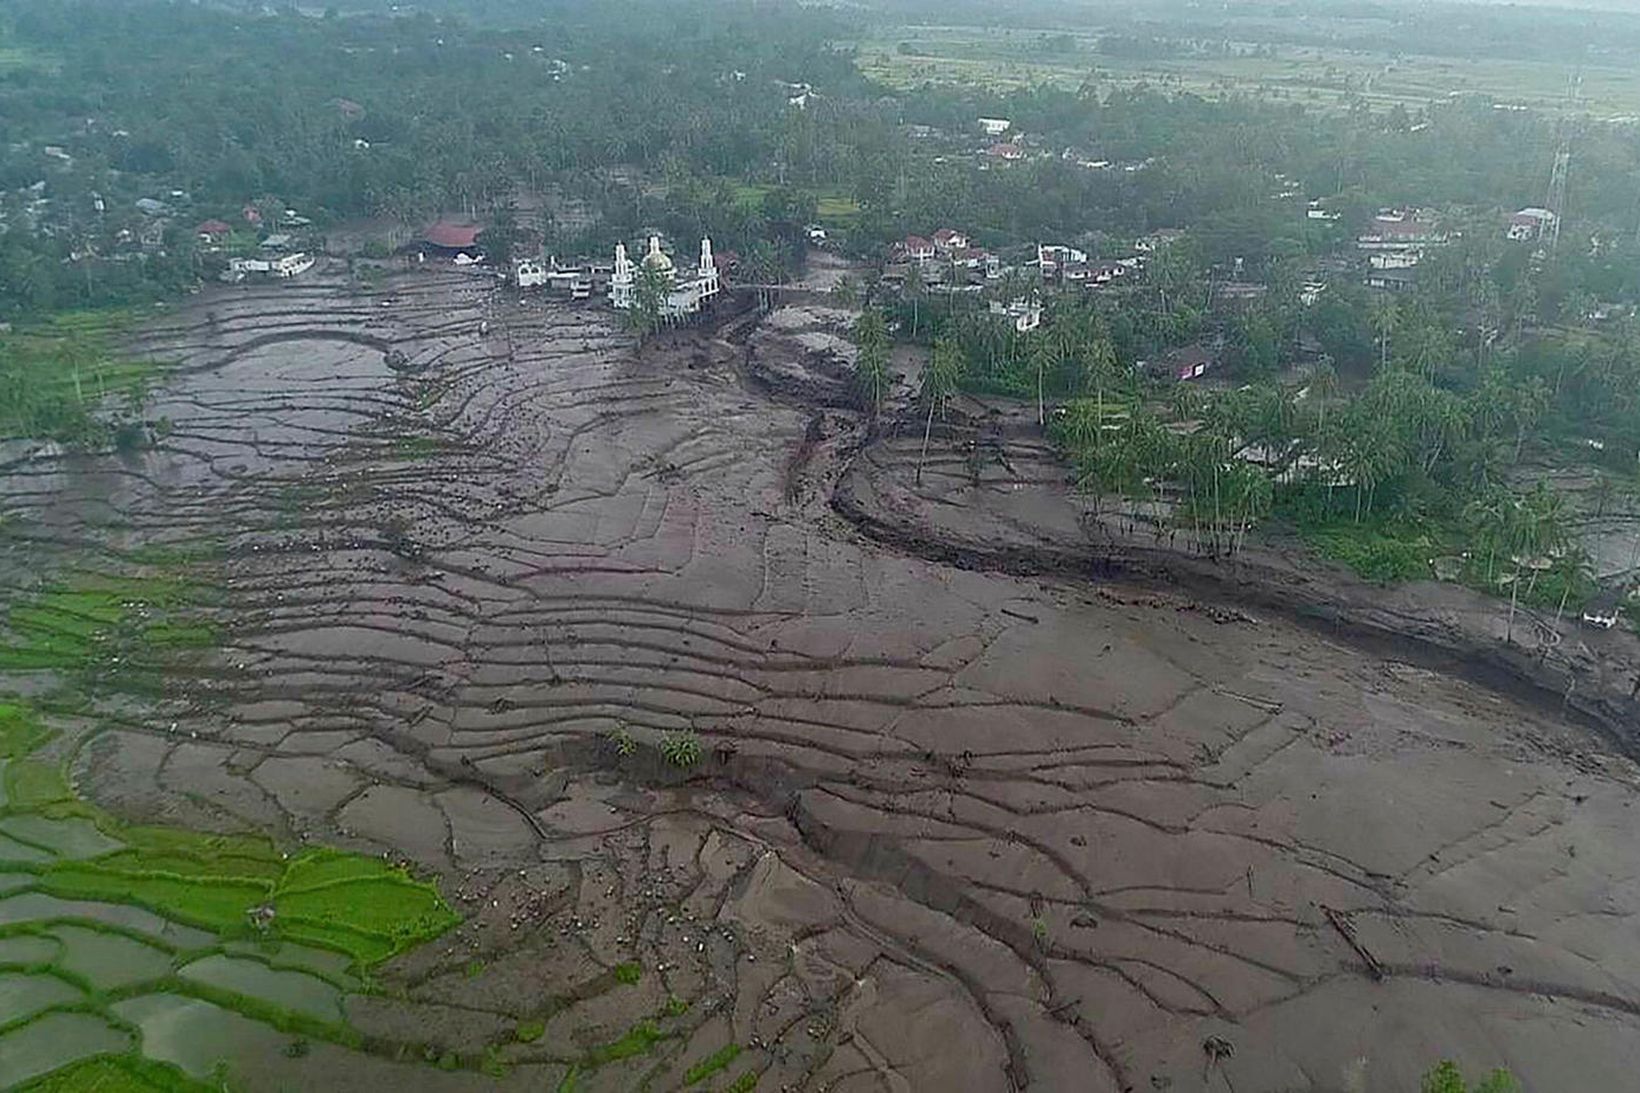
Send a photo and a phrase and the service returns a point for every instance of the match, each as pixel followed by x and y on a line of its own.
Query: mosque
pixel 686 291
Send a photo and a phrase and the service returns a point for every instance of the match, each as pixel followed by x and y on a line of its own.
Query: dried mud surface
pixel 950 829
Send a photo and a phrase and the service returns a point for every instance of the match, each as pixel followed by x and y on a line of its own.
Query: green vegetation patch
pixel 718 1060
pixel 640 1039
pixel 53 374
pixel 20 730
pixel 91 620
pixel 354 911
pixel 116 1074
pixel 1384 552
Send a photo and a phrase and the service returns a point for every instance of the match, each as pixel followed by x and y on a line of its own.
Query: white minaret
pixel 708 268
pixel 620 284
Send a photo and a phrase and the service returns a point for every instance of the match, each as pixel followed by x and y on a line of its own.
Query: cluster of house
pixel 277 256
pixel 949 261
pixel 1395 242
pixel 942 258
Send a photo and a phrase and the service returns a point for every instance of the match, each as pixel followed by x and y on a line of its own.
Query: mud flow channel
pixel 728 796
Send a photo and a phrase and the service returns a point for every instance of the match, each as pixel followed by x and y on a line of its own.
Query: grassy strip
pixel 115 1074
pixel 640 1039
pixel 55 371
pixel 718 1060
pixel 93 620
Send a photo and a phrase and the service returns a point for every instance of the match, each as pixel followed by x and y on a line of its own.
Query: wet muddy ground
pixel 947 829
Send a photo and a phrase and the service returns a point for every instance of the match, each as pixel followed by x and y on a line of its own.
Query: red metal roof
pixel 213 227
pixel 451 236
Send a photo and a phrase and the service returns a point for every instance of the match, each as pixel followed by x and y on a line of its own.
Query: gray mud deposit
pixel 950 830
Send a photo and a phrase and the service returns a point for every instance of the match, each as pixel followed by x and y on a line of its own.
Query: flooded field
pixel 726 794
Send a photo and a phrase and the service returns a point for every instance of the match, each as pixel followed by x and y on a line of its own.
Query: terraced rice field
pixel 724 794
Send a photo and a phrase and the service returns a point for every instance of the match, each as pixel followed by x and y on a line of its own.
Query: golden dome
pixel 656 259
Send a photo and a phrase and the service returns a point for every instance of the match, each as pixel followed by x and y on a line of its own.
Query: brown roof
pixel 213 227
pixel 451 236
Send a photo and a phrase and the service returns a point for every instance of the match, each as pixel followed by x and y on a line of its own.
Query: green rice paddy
pixel 113 934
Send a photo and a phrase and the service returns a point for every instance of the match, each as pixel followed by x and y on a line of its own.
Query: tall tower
pixel 1557 191
pixel 708 273
pixel 1563 160
pixel 620 283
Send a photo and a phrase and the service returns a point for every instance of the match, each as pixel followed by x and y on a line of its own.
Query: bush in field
pixel 681 749
pixel 1447 1078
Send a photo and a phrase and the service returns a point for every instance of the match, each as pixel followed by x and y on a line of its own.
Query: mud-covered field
pixel 730 794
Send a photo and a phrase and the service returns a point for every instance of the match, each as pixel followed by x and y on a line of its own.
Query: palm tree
pixel 939 383
pixel 1044 355
pixel 871 367
pixel 913 291
pixel 1384 322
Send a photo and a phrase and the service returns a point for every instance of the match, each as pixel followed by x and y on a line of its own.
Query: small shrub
pixel 628 973
pixel 623 743
pixel 681 749
pixel 530 1031
pixel 1447 1078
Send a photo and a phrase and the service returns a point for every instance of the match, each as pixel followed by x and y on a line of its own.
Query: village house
pixel 916 249
pixel 1401 228
pixel 1604 610
pixel 994 127
pixel 283 267
pixel 1392 280
pixel 448 239
pixel 213 232
pixel 1189 362
pixel 1024 313
pixel 529 273
pixel 1005 153
pixel 1052 258
pixel 948 240
pixel 1395 259
pixel 1161 238
pixel 1529 225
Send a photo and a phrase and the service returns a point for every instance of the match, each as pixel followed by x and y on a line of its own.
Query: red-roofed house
pixel 947 240
pixel 451 237
pixel 213 231
pixel 1008 153
pixel 917 249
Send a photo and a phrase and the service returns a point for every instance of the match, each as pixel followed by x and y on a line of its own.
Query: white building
pixel 1026 313
pixel 284 266
pixel 686 293
pixel 289 265
pixel 995 127
pixel 529 273
pixel 1530 224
